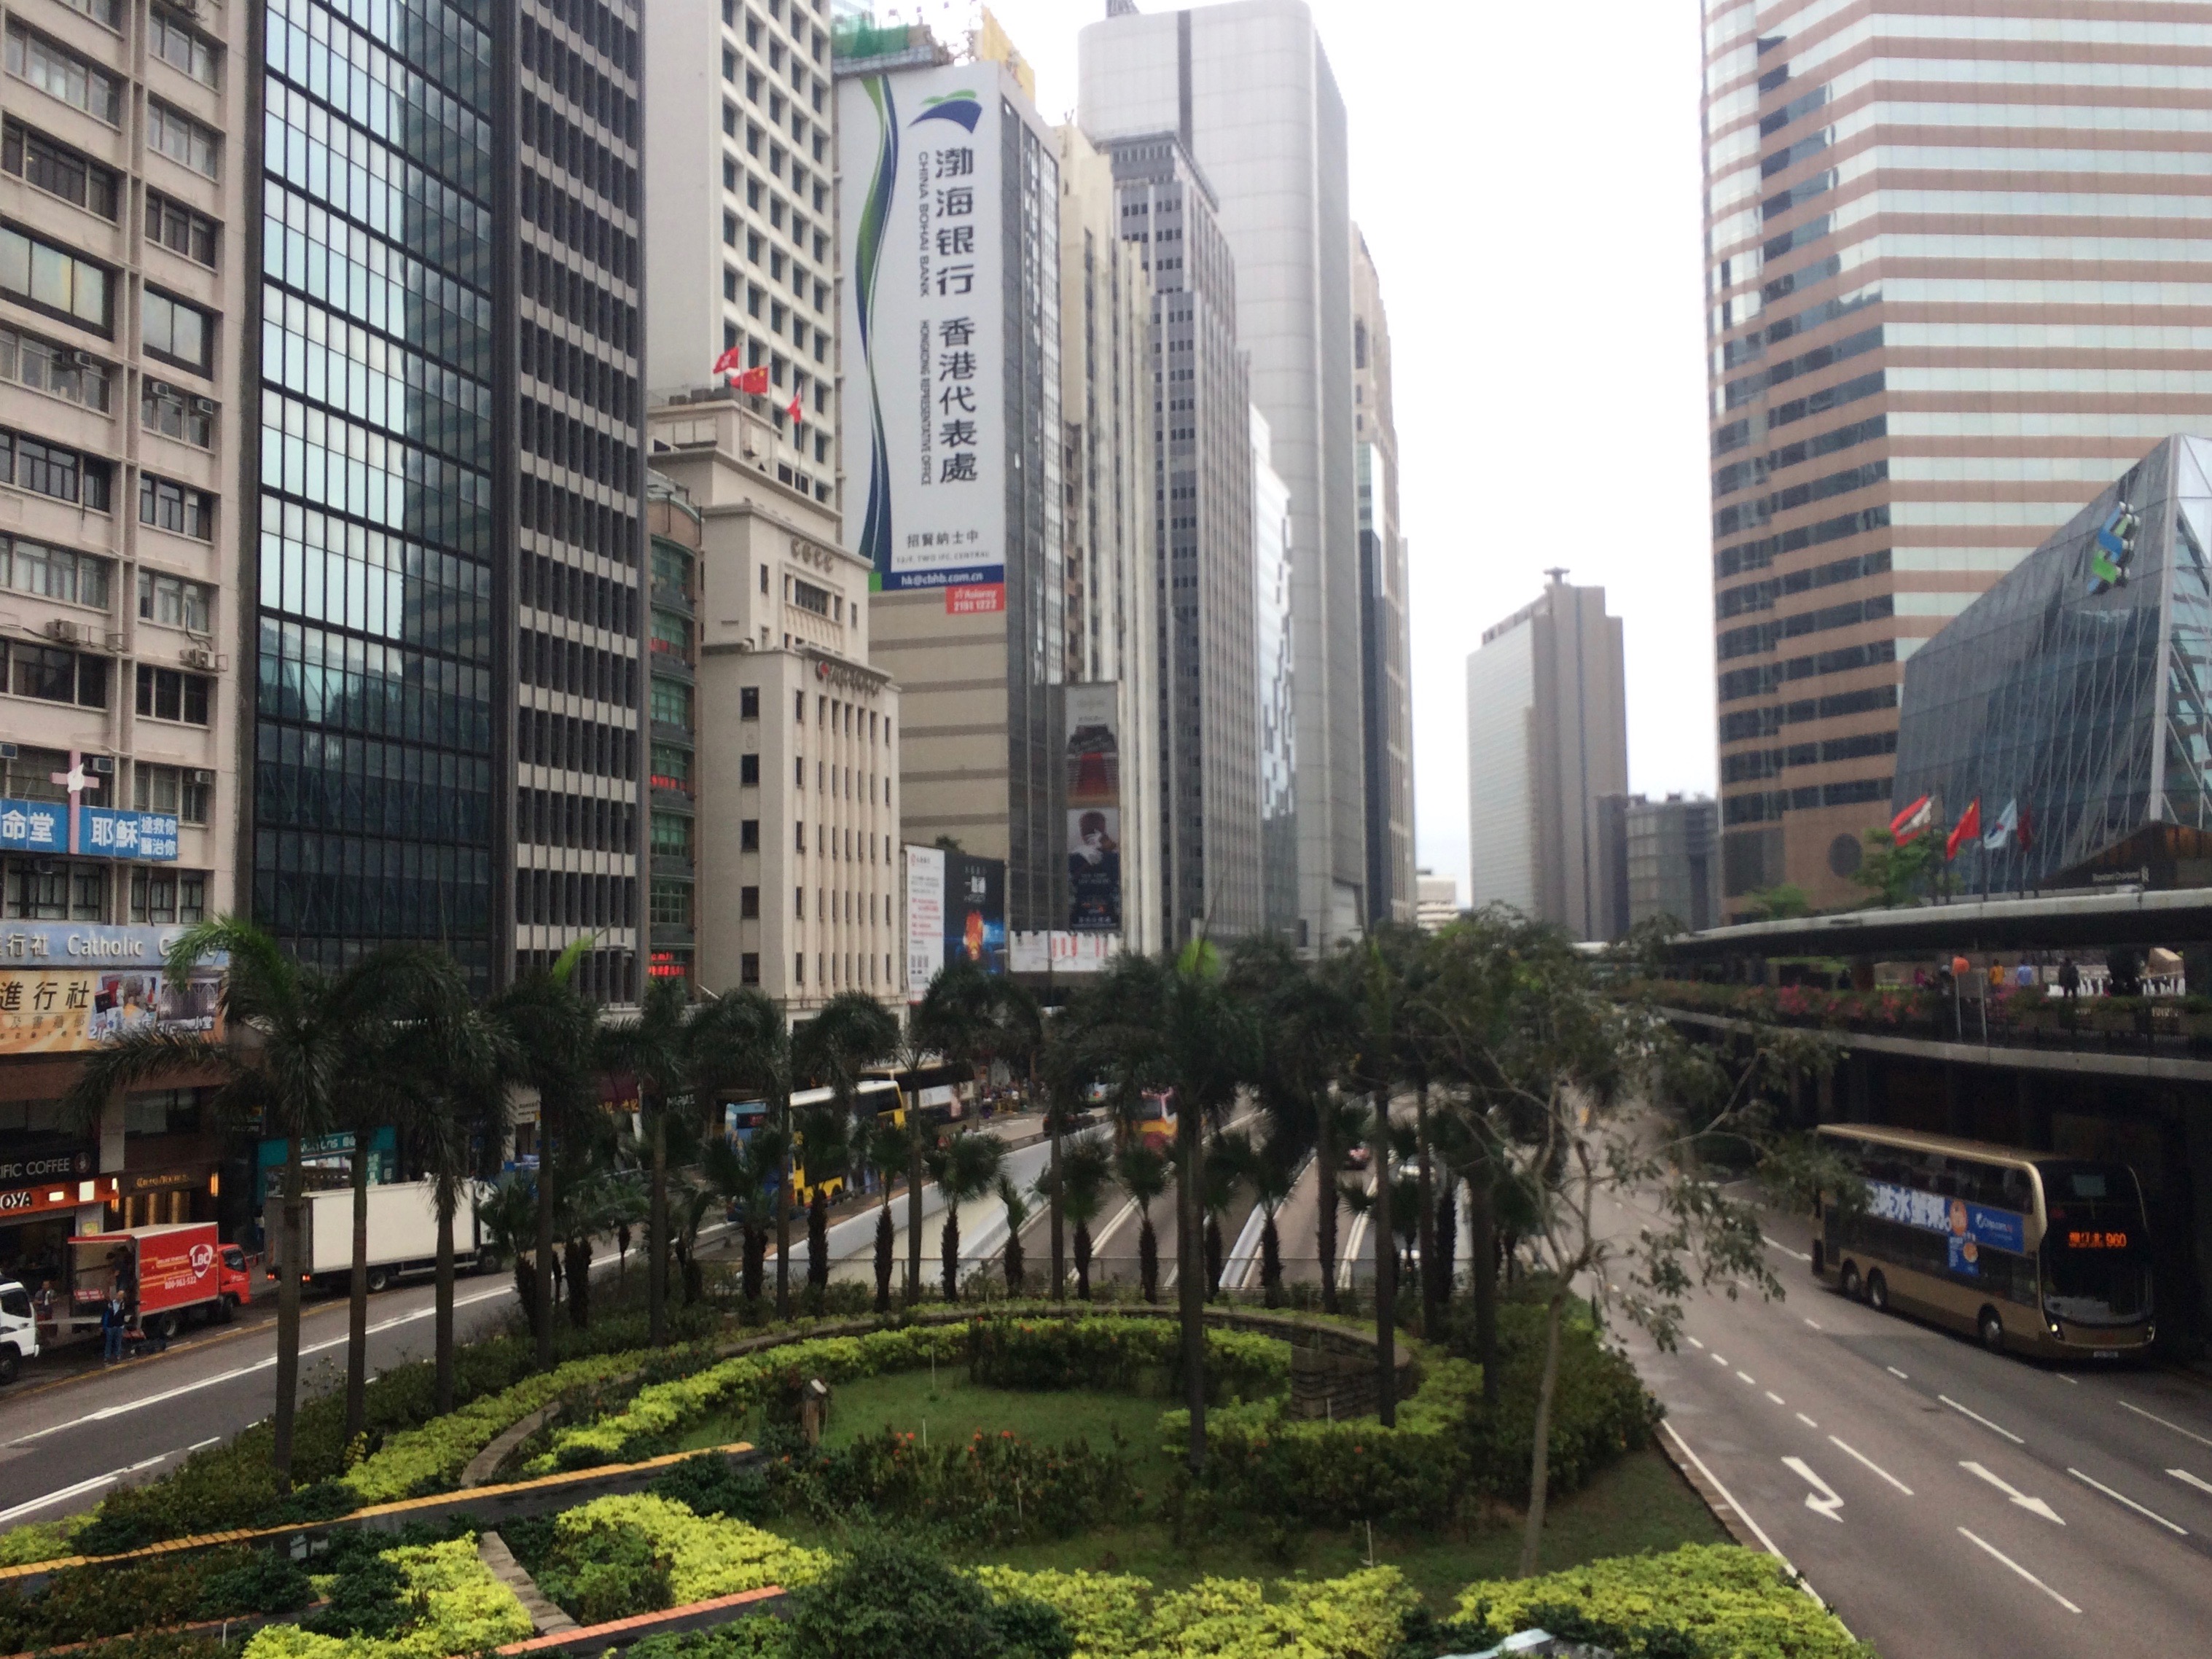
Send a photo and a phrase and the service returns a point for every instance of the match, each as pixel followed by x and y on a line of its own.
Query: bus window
pixel 2096 1253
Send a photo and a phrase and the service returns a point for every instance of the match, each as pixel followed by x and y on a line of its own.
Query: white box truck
pixel 402 1234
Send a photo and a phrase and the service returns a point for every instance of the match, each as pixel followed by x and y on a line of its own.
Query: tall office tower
pixel 125 129
pixel 1669 859
pixel 674 558
pixel 1207 715
pixel 1248 89
pixel 1951 286
pixel 1273 653
pixel 949 220
pixel 738 169
pixel 1110 560
pixel 448 742
pixel 1386 643
pixel 786 811
pixel 1546 739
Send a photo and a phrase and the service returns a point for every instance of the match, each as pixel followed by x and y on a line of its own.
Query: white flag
pixel 2006 826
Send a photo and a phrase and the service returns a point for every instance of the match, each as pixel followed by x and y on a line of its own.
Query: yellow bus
pixel 2033 1253
pixel 741 1117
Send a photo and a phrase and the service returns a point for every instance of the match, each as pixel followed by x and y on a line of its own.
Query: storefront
pixel 326 1161
pixel 38 1218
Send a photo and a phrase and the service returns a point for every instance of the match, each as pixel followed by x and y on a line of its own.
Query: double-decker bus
pixel 2034 1253
pixel 741 1117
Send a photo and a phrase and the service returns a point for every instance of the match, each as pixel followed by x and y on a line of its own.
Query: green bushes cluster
pixel 1121 1354
pixel 992 1489
pixel 80 1604
pixel 619 1556
pixel 408 1601
pixel 1600 1409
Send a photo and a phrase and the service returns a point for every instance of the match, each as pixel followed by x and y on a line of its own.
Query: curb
pixel 669 1621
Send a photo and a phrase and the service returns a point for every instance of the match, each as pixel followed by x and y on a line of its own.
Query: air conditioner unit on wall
pixel 202 774
pixel 203 405
pixel 160 389
pixel 198 656
pixel 100 765
pixel 68 632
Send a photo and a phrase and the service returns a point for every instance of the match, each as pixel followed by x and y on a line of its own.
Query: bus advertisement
pixel 2031 1253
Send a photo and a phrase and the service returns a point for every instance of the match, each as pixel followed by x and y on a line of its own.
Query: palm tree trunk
pixel 442 1339
pixel 914 1213
pixel 1271 1262
pixel 1213 1255
pixel 949 1243
pixel 541 1310
pixel 1017 1269
pixel 818 1240
pixel 1148 1257
pixel 356 1394
pixel 1059 1259
pixel 884 1232
pixel 288 1315
pixel 1325 1160
pixel 1447 1227
pixel 1190 1283
pixel 656 1274
pixel 1425 1230
pixel 1083 1260
pixel 1386 1270
pixel 1483 1249
pixel 1539 1469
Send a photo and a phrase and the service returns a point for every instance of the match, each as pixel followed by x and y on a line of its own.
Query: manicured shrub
pixel 606 1572
pixel 992 1488
pixel 1112 1616
pixel 760 1636
pixel 695 1556
pixel 452 1604
pixel 1701 1601
pixel 888 1597
pixel 80 1604
pixel 1600 1409
pixel 710 1484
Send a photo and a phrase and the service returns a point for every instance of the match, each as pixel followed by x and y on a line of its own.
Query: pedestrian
pixel 110 1327
pixel 2069 978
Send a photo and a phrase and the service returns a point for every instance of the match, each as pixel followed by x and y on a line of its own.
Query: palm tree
pixel 825 1142
pixel 1087 1170
pixel 1018 1217
pixel 965 1168
pixel 833 1050
pixel 885 1146
pixel 319 1048
pixel 507 1211
pixel 654 1047
pixel 911 1053
pixel 1142 1173
pixel 1267 1167
pixel 744 1179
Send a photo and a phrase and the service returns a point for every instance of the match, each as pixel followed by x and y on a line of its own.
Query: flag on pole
pixel 1968 826
pixel 2002 831
pixel 732 358
pixel 754 380
pixel 793 408
pixel 2026 836
pixel 1912 822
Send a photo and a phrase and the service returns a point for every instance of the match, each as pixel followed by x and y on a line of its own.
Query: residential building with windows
pixel 1546 742
pixel 740 169
pixel 449 733
pixel 1955 263
pixel 776 851
pixel 1386 644
pixel 1247 90
pixel 126 134
pixel 1206 591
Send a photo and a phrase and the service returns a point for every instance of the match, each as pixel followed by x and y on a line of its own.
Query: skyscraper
pixel 1546 740
pixel 1275 656
pixel 955 492
pixel 447 745
pixel 1202 507
pixel 1385 622
pixel 1248 89
pixel 1952 286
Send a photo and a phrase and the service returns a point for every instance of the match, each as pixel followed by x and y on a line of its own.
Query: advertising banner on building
pixel 923 245
pixel 975 911
pixel 1094 807
pixel 66 987
pixel 1059 952
pixel 42 826
pixel 925 918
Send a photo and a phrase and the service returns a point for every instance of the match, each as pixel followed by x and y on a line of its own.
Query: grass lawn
pixel 1638 1503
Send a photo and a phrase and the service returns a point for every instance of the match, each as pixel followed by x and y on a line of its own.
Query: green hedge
pixel 1600 1409
pixel 1117 1616
pixel 80 1604
pixel 439 1600
pixel 1700 1601
pixel 1122 1355
pixel 617 1557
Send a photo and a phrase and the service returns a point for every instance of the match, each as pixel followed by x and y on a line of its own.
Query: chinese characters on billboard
pixel 66 987
pixel 1094 808
pixel 955 906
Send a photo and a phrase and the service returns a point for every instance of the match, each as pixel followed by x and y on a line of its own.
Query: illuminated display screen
pixel 2090 1239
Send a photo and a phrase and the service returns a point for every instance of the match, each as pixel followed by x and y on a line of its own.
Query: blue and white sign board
pixel 106 833
pixel 1970 1228
pixel 33 826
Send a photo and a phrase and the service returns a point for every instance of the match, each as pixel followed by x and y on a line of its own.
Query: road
pixel 1943 1499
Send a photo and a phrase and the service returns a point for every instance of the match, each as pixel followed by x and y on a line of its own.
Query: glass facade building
pixel 1958 277
pixel 2076 695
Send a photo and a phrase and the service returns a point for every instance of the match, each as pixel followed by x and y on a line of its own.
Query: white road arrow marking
pixel 2189 1480
pixel 1795 1255
pixel 1827 1503
pixel 2034 1504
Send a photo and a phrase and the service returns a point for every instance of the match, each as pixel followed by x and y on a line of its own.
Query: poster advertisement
pixel 955 906
pixel 67 986
pixel 925 918
pixel 1062 952
pixel 922 241
pixel 1094 807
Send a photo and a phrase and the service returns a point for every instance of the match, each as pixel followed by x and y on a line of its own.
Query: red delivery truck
pixel 166 1273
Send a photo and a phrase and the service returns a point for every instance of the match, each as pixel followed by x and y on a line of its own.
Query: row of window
pixel 579 227
pixel 569 743
pixel 30 774
pixel 1757 556
pixel 568 368
pixel 578 595
pixel 835 906
pixel 372 689
pixel 54 280
pixel 553 510
pixel 1761 595
pixel 1762 637
pixel 548 819
pixel 1743 391
pixel 330 784
pixel 45 889
pixel 1745 515
pixel 1748 723
pixel 576 78
pixel 1767 678
pixel 1740 474
pixel 581 670
pixel 1769 807
pixel 577 152
pixel 574 898
pixel 1750 765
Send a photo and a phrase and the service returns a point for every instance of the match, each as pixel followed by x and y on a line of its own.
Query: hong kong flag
pixel 734 358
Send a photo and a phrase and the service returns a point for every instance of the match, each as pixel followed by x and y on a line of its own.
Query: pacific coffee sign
pixel 46 1164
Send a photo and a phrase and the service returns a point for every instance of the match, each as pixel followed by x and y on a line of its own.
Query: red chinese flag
pixel 732 358
pixel 754 380
pixel 1968 828
pixel 793 409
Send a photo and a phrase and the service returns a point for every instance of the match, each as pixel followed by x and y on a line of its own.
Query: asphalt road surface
pixel 1946 1500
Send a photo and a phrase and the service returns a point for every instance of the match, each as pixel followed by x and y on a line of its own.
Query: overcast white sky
pixel 1528 178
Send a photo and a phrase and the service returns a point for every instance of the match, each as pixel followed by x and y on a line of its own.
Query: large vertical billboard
pixel 955 908
pixel 923 244
pixel 1093 753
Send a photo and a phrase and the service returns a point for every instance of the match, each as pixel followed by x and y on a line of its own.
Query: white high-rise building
pixel 1247 90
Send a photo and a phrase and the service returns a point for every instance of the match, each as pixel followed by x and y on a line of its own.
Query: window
pixel 798 899
pixel 671 567
pixel 671 633
pixel 182 139
pixel 174 603
pixel 180 790
pixel 162 1112
pixel 749 968
pixel 59 371
pixel 168 39
pixel 53 572
pixel 749 702
pixel 57 70
pixel 46 891
pixel 749 903
pixel 672 767
pixel 166 694
pixel 53 279
pixel 57 169
pixel 107 12
pixel 174 414
pixel 54 675
pixel 671 703
pixel 168 896
pixel 180 230
pixel 670 903
pixel 671 836
pixel 748 770
pixel 178 332
pixel 49 470
pixel 171 507
pixel 30 775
